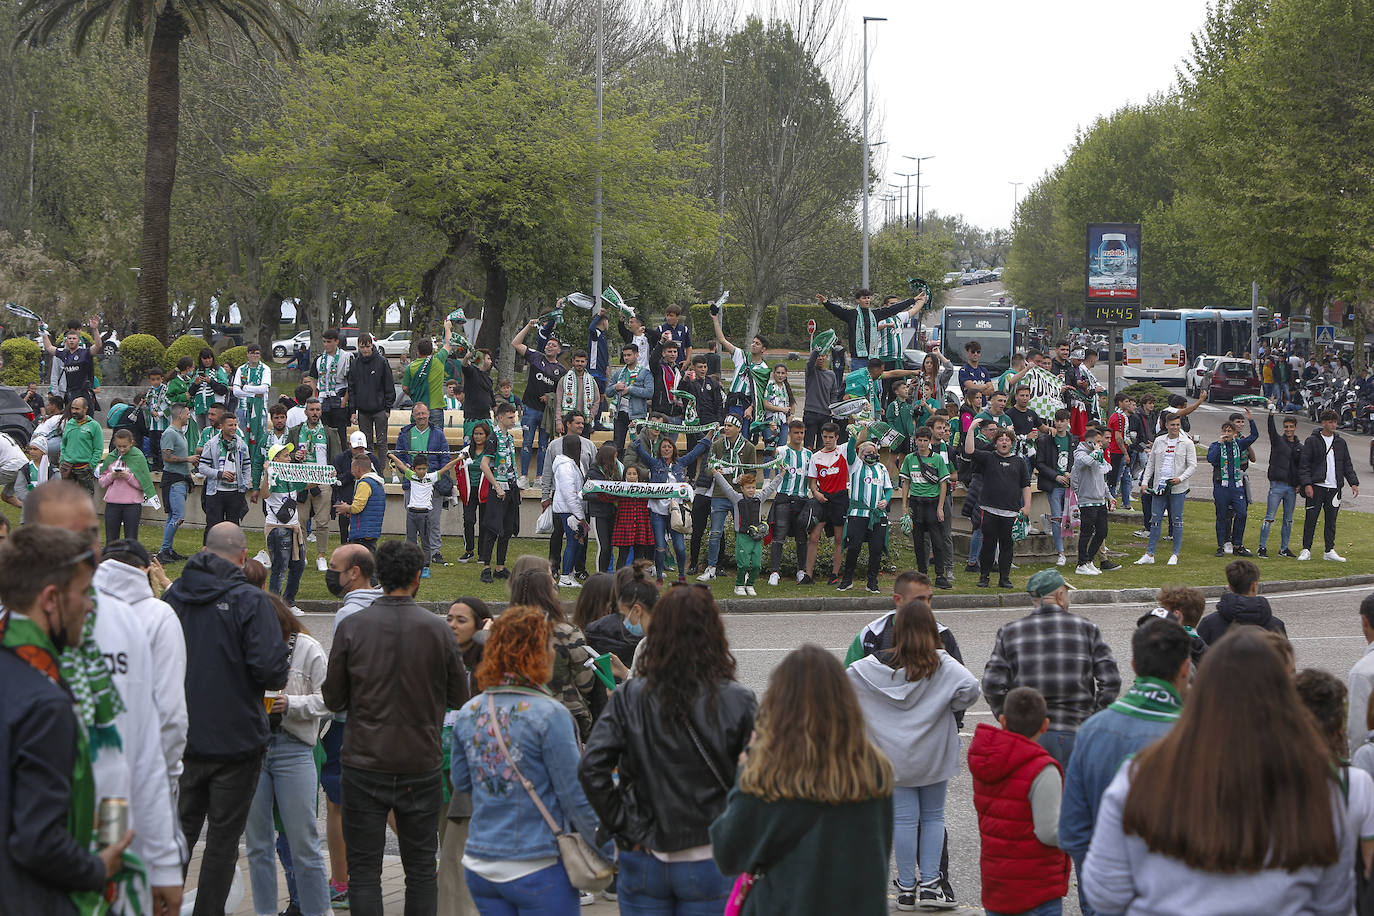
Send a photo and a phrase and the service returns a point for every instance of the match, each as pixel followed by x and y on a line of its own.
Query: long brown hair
pixel 1227 793
pixel 532 583
pixel 685 652
pixel 810 742
pixel 915 641
pixel 1323 695
pixel 517 645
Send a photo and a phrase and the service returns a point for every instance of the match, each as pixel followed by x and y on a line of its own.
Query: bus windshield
pixel 993 331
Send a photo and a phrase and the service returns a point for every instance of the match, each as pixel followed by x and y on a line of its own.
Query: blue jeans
pixel 662 533
pixel 918 808
pixel 176 511
pixel 1230 529
pixel 573 538
pixel 720 507
pixel 547 892
pixel 1057 498
pixel 975 545
pixel 531 421
pixel 1048 908
pixel 1124 482
pixel 287 780
pixel 1059 744
pixel 1279 493
pixel 648 887
pixel 1174 503
pixel 1083 904
pixel 279 547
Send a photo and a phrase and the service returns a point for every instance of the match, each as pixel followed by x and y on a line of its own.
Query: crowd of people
pixel 541 755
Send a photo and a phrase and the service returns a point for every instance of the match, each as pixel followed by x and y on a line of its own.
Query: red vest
pixel 1019 872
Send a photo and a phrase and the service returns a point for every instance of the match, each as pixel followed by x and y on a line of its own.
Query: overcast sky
pixel 995 89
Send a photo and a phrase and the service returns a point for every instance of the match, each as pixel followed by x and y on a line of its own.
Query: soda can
pixel 113 820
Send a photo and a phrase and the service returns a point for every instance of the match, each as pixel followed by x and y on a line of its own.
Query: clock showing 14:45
pixel 1104 315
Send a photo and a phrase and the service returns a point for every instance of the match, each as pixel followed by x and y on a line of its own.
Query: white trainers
pixel 1173 560
pixel 321 564
pixel 707 574
pixel 264 558
pixel 1226 548
pixel 568 582
pixel 1147 559
pixel 297 611
pixel 772 578
pixel 800 576
pixel 1087 569
pixel 522 481
pixel 749 590
pixel 1332 555
pixel 310 538
pixel 739 590
pixel 1305 555
pixel 1060 560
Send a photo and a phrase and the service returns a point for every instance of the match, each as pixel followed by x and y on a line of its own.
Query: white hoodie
pixel 567 487
pixel 307 718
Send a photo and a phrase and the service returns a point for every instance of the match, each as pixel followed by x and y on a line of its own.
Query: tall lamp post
pixel 1015 197
pixel 596 194
pixel 720 192
pixel 867 20
pixel 906 216
pixel 919 209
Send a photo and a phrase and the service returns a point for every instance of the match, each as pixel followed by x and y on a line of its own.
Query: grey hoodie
pixel 912 722
pixel 1089 477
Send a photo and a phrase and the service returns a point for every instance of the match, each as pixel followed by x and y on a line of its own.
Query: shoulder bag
pixel 587 870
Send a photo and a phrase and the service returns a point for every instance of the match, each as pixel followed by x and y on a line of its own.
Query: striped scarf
pixel 1150 699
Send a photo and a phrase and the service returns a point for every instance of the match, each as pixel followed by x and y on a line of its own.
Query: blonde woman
pixel 812 789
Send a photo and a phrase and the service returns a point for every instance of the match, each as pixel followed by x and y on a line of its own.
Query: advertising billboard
pixel 1113 259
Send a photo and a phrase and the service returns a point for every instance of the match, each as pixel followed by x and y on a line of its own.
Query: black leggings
pixel 605 554
pixel 122 515
pixel 701 521
pixel 1093 533
pixel 996 541
pixel 872 532
pixel 642 552
pixel 473 511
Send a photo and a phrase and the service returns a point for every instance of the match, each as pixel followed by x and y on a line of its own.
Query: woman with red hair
pixel 516 731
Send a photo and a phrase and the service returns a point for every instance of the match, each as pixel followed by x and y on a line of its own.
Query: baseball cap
pixel 1045 582
pixel 276 450
pixel 1161 613
pixel 357 440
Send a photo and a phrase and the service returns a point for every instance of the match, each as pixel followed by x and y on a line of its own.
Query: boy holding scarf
pixel 156 406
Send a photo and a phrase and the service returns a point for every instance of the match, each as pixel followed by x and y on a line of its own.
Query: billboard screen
pixel 1113 262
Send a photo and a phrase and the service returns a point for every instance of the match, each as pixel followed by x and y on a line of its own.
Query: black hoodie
pixel 1233 609
pixel 234 653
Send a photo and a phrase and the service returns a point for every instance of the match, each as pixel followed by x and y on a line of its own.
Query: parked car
pixel 1229 378
pixel 1193 381
pixel 219 332
pixel 397 343
pixel 953 277
pixel 997 273
pixel 16 419
pixel 282 349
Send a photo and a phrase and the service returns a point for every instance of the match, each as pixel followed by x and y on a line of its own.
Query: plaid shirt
pixel 1060 654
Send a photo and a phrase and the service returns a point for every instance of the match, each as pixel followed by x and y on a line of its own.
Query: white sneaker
pixel 1305 555
pixel 1332 555
pixel 310 538
pixel 800 575
pixel 264 558
pixel 297 611
pixel 772 578
pixel 707 574
pixel 739 590
pixel 1226 548
pixel 321 564
pixel 1173 560
pixel 1060 560
pixel 749 590
pixel 522 481
pixel 1146 560
pixel 1087 569
pixel 566 582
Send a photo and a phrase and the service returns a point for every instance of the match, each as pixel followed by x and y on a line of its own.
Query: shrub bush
pixel 1138 390
pixel 21 361
pixel 234 356
pixel 138 353
pixel 185 345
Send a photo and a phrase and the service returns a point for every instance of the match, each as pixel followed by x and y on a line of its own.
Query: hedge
pixel 1138 390
pixel 185 345
pixel 138 353
pixel 234 356
pixel 734 320
pixel 21 361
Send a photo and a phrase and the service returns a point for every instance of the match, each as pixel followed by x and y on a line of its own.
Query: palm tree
pixel 161 25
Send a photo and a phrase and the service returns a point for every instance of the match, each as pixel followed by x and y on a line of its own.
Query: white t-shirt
pixel 1166 463
pixel 1360 803
pixel 1330 443
pixel 12 457
pixel 295 416
pixel 421 492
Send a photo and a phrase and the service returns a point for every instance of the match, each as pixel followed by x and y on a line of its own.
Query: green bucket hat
pixel 1045 582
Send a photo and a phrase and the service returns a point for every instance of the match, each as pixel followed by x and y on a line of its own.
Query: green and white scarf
pixel 137 464
pixel 1151 700
pixel 256 404
pixel 157 407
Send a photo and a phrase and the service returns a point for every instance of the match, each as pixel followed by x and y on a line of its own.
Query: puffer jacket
pixel 668 792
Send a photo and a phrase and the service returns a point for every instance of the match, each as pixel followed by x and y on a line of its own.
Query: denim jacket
pixel 639 388
pixel 542 738
pixel 658 468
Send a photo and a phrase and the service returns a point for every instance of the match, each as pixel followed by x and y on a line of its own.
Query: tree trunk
pixel 159 171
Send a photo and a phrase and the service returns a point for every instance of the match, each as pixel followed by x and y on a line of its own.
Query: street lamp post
pixel 1015 199
pixel 596 194
pixel 919 209
pixel 906 216
pixel 720 192
pixel 867 20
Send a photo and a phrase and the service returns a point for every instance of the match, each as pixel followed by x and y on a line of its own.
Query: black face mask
pixel 331 582
pixel 870 458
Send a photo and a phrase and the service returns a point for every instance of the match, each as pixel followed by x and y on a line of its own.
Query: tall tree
pixel 161 25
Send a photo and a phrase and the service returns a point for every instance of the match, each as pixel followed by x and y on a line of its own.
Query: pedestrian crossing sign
pixel 1325 334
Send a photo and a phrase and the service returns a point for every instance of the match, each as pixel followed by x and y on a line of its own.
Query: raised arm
pixel 730 492
pixel 518 341
pixel 725 345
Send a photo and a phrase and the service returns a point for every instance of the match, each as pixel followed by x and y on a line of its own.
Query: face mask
pixel 331 582
pixel 870 458
pixel 634 629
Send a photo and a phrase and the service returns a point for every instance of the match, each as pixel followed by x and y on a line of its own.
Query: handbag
pixel 544 524
pixel 587 869
pixel 679 519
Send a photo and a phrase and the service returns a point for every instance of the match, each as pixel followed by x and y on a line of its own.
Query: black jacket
pixel 478 397
pixel 41 862
pixel 1238 609
pixel 710 398
pixel 234 652
pixel 1312 464
pixel 1284 456
pixel 1047 460
pixel 370 383
pixel 660 402
pixel 608 634
pixel 667 795
pixel 343 469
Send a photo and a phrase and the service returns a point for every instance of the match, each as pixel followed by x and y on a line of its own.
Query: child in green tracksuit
pixel 750 526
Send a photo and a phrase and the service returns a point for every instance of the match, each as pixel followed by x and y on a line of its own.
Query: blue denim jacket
pixel 541 736
pixel 1104 741
pixel 658 468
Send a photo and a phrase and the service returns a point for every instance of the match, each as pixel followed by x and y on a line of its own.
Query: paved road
pixel 1321 623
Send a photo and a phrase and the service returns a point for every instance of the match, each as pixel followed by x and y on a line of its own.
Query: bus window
pixel 993 331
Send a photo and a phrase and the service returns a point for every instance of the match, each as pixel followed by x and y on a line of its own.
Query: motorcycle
pixel 1347 398
pixel 1312 395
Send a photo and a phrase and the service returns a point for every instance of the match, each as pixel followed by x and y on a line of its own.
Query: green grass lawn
pixel 1197 565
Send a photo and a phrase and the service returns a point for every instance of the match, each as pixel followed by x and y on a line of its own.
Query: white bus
pixel 1160 348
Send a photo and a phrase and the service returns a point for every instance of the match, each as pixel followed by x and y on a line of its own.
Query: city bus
pixel 1000 329
pixel 1160 348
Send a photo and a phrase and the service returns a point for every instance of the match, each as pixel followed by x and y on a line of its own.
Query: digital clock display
pixel 1110 316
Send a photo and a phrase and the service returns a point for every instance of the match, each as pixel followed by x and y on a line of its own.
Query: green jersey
pixel 924 474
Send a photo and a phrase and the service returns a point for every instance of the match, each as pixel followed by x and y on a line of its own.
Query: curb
pixel 990 601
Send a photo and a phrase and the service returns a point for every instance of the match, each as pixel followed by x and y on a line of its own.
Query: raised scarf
pixel 1151 700
pixel 136 463
pixel 256 404
pixel 572 399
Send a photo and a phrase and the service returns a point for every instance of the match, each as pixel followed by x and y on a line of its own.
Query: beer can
pixel 113 820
